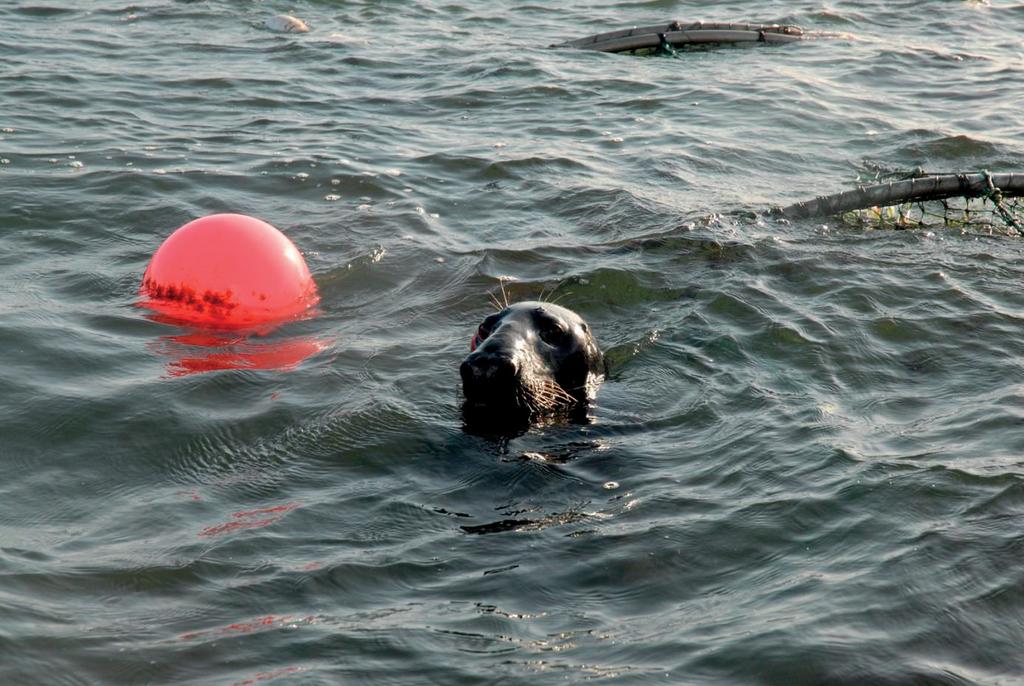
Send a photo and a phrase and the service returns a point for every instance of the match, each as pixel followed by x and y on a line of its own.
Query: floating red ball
pixel 228 271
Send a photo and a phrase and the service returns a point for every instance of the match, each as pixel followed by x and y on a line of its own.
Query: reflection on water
pixel 208 351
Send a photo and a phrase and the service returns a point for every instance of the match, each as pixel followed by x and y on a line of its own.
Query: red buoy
pixel 228 271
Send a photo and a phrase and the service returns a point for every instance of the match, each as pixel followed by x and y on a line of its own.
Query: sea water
pixel 806 465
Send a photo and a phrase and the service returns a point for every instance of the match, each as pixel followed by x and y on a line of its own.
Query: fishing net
pixel 666 38
pixel 976 201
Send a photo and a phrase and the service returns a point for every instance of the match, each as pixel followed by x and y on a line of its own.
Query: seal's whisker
pixel 495 302
pixel 546 395
pixel 563 295
pixel 504 294
pixel 524 400
pixel 559 393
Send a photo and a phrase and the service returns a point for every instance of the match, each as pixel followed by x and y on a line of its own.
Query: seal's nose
pixel 486 374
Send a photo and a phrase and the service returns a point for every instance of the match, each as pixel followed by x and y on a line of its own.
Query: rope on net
pixel 965 200
pixel 665 38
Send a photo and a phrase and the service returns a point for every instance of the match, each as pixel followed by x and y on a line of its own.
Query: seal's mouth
pixel 523 397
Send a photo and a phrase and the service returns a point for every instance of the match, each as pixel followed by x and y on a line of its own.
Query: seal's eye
pixel 483 331
pixel 553 332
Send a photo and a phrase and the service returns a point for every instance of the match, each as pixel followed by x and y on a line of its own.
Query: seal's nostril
pixel 484 372
pixel 503 369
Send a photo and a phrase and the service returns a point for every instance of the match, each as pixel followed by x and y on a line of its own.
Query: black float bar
pixel 677 33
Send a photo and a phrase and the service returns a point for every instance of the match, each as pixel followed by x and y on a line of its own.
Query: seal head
pixel 530 359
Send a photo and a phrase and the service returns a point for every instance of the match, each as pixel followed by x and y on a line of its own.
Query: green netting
pixel 975 201
pixel 966 214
